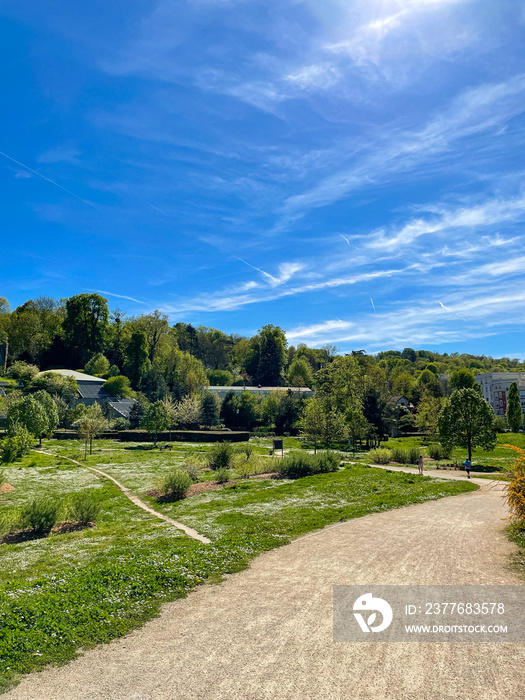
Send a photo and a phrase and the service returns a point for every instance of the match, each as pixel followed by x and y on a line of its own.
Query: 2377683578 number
pixel 464 608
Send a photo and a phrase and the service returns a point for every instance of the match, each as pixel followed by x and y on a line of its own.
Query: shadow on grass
pixel 29 534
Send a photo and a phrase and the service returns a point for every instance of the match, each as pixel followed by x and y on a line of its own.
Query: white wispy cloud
pixel 489 213
pixel 119 296
pixel 474 112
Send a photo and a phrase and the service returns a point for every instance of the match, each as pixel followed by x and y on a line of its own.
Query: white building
pixel 495 386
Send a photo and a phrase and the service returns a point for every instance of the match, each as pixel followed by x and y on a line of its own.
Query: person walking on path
pixel 468 466
pixel 420 465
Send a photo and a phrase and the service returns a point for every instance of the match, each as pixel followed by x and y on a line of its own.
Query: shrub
pixel 246 449
pixel 399 455
pixel 121 424
pixel 16 446
pixel 413 455
pixel 175 484
pixel 221 455
pixel 222 475
pixel 380 455
pixel 192 467
pixel 297 465
pixel 84 507
pixel 40 514
pixel 435 452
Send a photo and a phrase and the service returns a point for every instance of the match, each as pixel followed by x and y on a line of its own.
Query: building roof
pixel 79 376
pixel 122 406
pixel 90 390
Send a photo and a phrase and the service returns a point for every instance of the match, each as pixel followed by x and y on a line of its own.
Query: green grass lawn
pixel 73 590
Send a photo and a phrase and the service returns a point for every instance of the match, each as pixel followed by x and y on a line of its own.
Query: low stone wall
pixel 166 436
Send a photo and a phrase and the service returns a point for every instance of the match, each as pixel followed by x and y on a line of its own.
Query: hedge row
pixel 173 436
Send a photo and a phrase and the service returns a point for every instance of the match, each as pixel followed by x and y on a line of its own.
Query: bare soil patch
pixel 6 488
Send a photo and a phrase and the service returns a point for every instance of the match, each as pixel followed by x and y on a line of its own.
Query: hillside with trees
pixel 148 358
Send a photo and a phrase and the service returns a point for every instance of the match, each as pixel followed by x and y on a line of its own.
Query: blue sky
pixel 351 170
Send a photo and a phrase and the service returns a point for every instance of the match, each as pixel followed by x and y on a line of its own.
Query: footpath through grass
pixel 74 590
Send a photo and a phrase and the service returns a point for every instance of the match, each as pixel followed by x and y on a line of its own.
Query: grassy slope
pixel 73 590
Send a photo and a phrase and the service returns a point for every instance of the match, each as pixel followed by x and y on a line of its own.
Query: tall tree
pixel 51 412
pixel 321 422
pixel 514 411
pixel 210 409
pixel 467 420
pixel 30 414
pixel 271 345
pixel 155 326
pixel 86 325
pixel 462 378
pixel 97 365
pixel 300 373
pixel 137 362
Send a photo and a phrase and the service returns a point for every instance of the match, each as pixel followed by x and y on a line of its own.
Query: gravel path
pixel 266 633
pixel 136 500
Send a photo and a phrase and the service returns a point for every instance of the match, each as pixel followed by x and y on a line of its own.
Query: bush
pixel 121 424
pixel 40 514
pixel 244 450
pixel 221 456
pixel 435 452
pixel 413 455
pixel 222 475
pixel 399 455
pixel 380 456
pixel 192 467
pixel 297 465
pixel 175 484
pixel 84 507
pixel 16 446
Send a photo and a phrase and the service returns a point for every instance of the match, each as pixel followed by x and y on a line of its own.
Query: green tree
pixel 271 355
pixel 156 419
pixel 467 421
pixel 86 325
pixel 29 414
pixel 23 371
pixel 91 423
pixel 300 373
pixel 49 405
pixel 248 410
pixel 136 362
pixel 358 426
pixel 210 409
pixel 341 382
pixel 97 366
pixel 462 378
pixel 428 411
pixel 186 412
pixel 220 377
pixel 119 386
pixel 155 327
pixel 322 423
pixel 514 412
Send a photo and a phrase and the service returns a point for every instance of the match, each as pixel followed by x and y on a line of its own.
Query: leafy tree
pixel 321 422
pixel 358 426
pixel 155 327
pixel 5 307
pixel 467 420
pixel 269 407
pixel 29 414
pixel 91 423
pixel 119 386
pixel 113 371
pixel 220 377
pixel 210 409
pixel 409 354
pixel 500 424
pixel 86 324
pixel 288 414
pixel 462 378
pixel 248 410
pixel 97 366
pixel 403 385
pixel 186 413
pixel 514 412
pixel 49 405
pixel 154 385
pixel 270 347
pixel 156 419
pixel 18 443
pixel 136 362
pixel 300 373
pixel 428 412
pixel 341 382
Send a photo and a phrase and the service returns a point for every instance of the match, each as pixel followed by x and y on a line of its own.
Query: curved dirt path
pixel 134 499
pixel 266 633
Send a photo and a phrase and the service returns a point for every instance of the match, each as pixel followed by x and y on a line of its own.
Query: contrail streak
pixel 48 180
pixel 373 305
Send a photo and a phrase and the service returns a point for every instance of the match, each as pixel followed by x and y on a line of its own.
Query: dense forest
pixel 152 360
